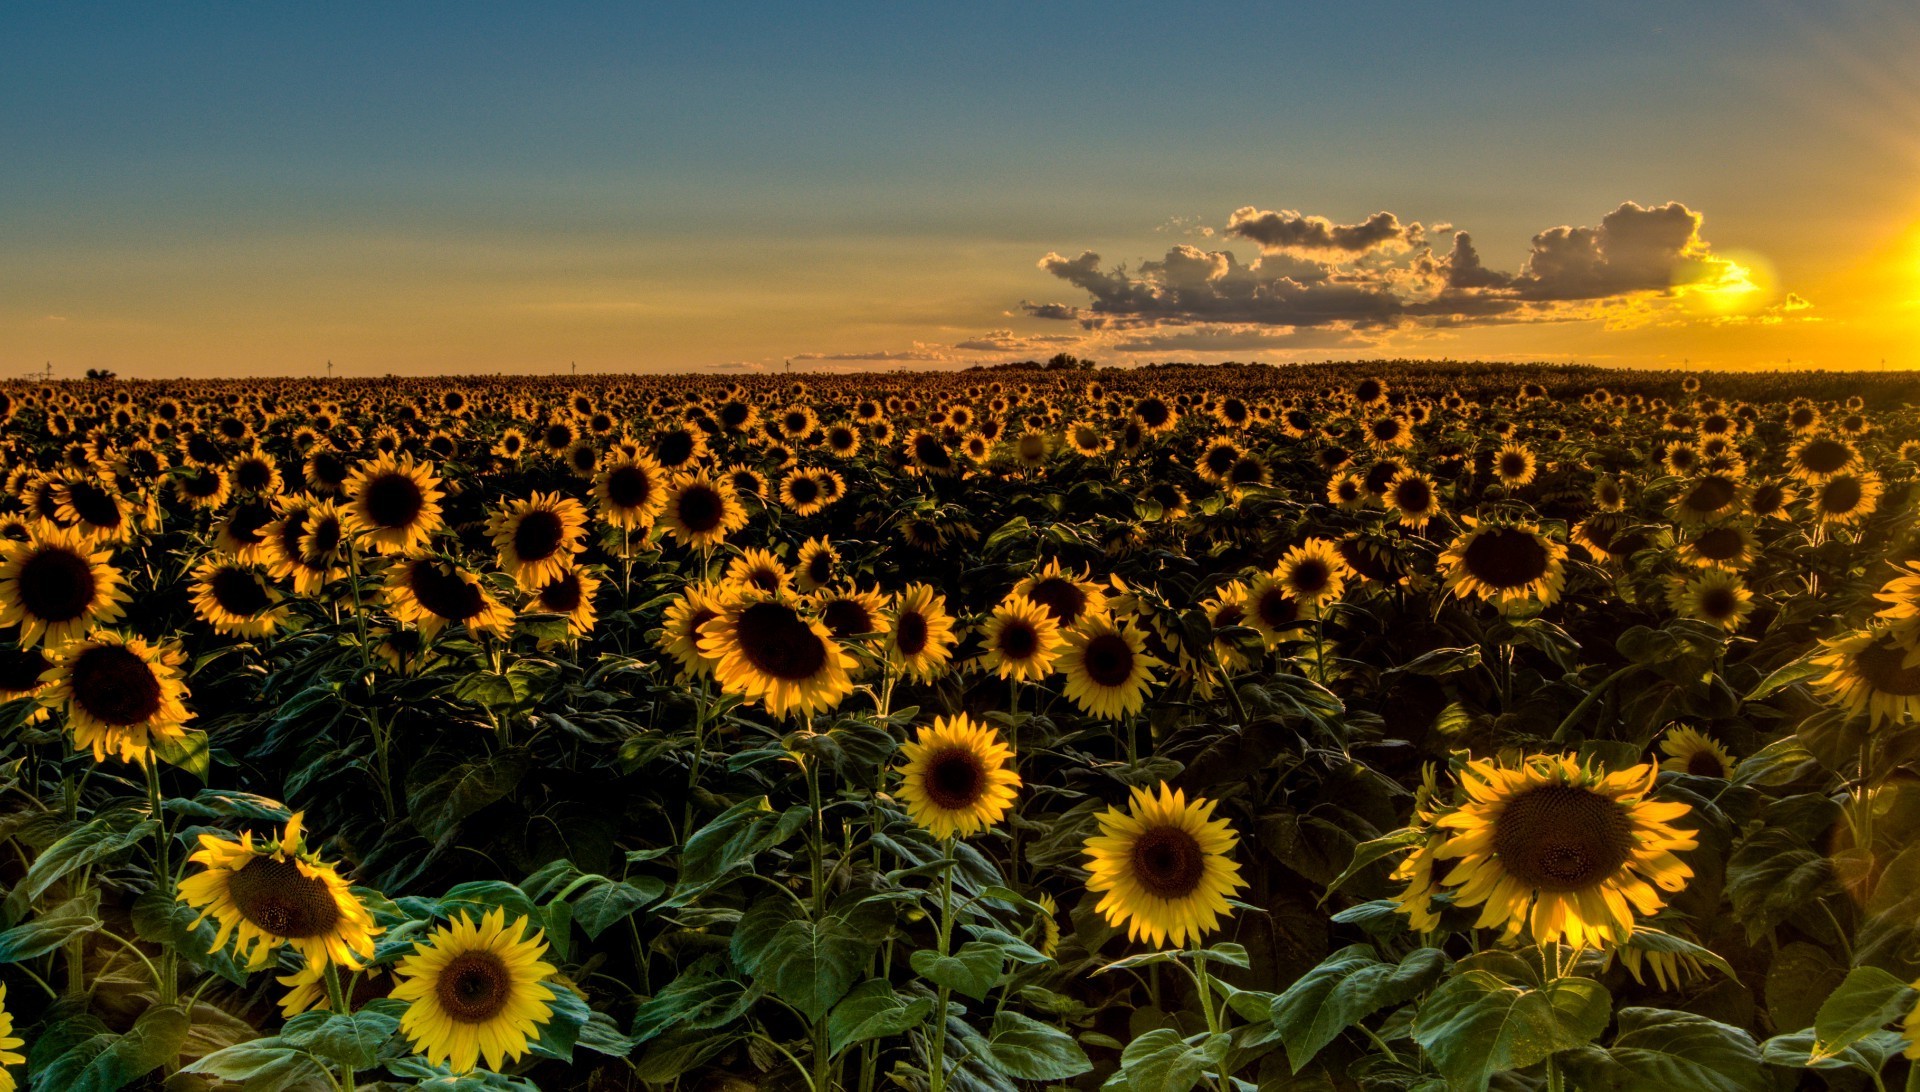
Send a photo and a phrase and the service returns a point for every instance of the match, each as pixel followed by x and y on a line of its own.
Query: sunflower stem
pixel 383 768
pixel 819 838
pixel 1560 733
pixel 936 1058
pixel 166 983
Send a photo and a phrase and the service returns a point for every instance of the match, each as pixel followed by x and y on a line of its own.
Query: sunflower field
pixel 1437 727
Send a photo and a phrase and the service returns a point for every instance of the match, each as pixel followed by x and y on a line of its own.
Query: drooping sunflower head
pixel 393 504
pixel 1506 563
pixel 476 990
pixel 759 570
pixel 278 893
pixel 1708 497
pixel 1691 751
pixel 816 565
pixel 766 649
pixel 1067 597
pixel 1163 867
pixel 1722 545
pixel 55 586
pixel 119 694
pixel 1559 849
pixel 1874 673
pixel 959 778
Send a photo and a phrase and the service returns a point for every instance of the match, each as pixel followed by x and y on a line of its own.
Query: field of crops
pixel 1393 726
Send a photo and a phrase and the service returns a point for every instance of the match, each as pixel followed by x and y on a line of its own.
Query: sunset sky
pixel 239 190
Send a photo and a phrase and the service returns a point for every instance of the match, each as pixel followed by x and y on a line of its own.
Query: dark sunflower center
pixel 321 539
pixel 562 596
pixel 201 483
pixel 932 453
pixel 1719 603
pixel 1018 640
pixel 778 642
pixel 115 686
pixel 846 618
pixel 1562 837
pixel 558 436
pixel 238 592
pixel 56 584
pixel 1310 577
pixel 1841 495
pixel 629 486
pixel 1221 459
pixel 1705 764
pixel 245 523
pixel 820 567
pixel 1153 412
pixel 1063 598
pixel 393 500
pixel 910 633
pixel 1381 474
pixel 20 670
pixel 443 593
pixel 1275 608
pixel 1512 466
pixel 1413 496
pixel 701 509
pixel 474 987
pixel 804 489
pixel 1109 660
pixel 1767 498
pixel 253 475
pixel 1247 470
pixel 1825 456
pixel 1506 557
pixel 1168 862
pixel 1882 665
pixel 674 448
pixel 1719 544
pixel 282 900
pixel 1229 614
pixel 1710 495
pixel 327 469
pixel 955 778
pixel 93 504
pixel 538 535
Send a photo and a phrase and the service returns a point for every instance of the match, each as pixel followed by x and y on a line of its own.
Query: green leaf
pixel 559 1034
pixel 1477 1024
pixel 1781 762
pixel 263 1065
pixel 98 840
pixel 1869 1054
pixel 351 1039
pixel 695 1000
pixel 229 804
pixel 1366 853
pixel 154 1040
pixel 874 1010
pixel 605 904
pixel 1344 989
pixel 441 803
pixel 481 897
pixel 810 965
pixel 1161 1061
pixel 1026 1049
pixel 1441 661
pixel 1867 1001
pixel 973 970
pixel 189 751
pixel 729 843
pixel 43 934
pixel 1673 1052
pixel 1783 677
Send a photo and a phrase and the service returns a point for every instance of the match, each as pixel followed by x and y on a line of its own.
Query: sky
pixel 236 189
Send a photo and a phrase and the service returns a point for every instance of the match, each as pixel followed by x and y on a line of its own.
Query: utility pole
pixel 329 369
pixel 575 366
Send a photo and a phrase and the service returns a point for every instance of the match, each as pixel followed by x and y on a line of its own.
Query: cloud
pixel 1280 232
pixel 737 366
pixel 1006 341
pixel 1057 311
pixel 1225 339
pixel 920 351
pixel 1635 249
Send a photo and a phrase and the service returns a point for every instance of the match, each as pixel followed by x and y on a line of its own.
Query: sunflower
pixel 816 565
pixel 394 504
pixel 119 694
pixel 1844 498
pixel 1348 491
pixel 1021 640
pixel 475 989
pixel 234 598
pixel 959 777
pixel 1067 597
pixel 536 538
pixel 305 543
pixel 701 510
pixel 1723 546
pixel 1557 848
pixel 920 636
pixel 1817 458
pixel 1690 751
pixel 431 594
pixel 1768 499
pixel 206 487
pixel 10 1045
pixel 21 671
pixel 94 507
pixel 1709 497
pixel 1268 608
pixel 1608 496
pixel 1873 673
pixel 55 586
pixel 1108 672
pixel 697 605
pixel 1902 596
pixel 569 594
pixel 1088 439
pixel 759 570
pixel 800 491
pixel 1514 465
pixel 1507 563
pixel 630 491
pixel 1414 499
pixel 1225 610
pixel 930 454
pixel 850 614
pixel 1715 596
pixel 765 649
pixel 1312 572
pixel 1163 867
pixel 278 893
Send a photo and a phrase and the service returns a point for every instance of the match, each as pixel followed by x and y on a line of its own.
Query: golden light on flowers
pixel 1557 849
pixel 958 779
pixel 476 990
pixel 1312 572
pixel 235 599
pixel 765 649
pixel 431 594
pixel 1414 498
pixel 1875 674
pixel 537 539
pixel 1714 596
pixel 1107 668
pixel 630 491
pixel 1709 496
pixel 55 586
pixel 1163 868
pixel 1818 458
pixel 701 510
pixel 118 694
pixel 393 504
pixel 816 565
pixel 1020 640
pixel 1066 596
pixel 1514 465
pixel 10 1045
pixel 760 570
pixel 1691 751
pixel 570 595
pixel 697 605
pixel 1505 563
pixel 920 635
pixel 1845 498
pixel 278 893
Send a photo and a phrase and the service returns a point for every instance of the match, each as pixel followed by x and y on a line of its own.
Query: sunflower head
pixel 476 989
pixel 1507 563
pixel 1163 867
pixel 958 779
pixel 278 893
